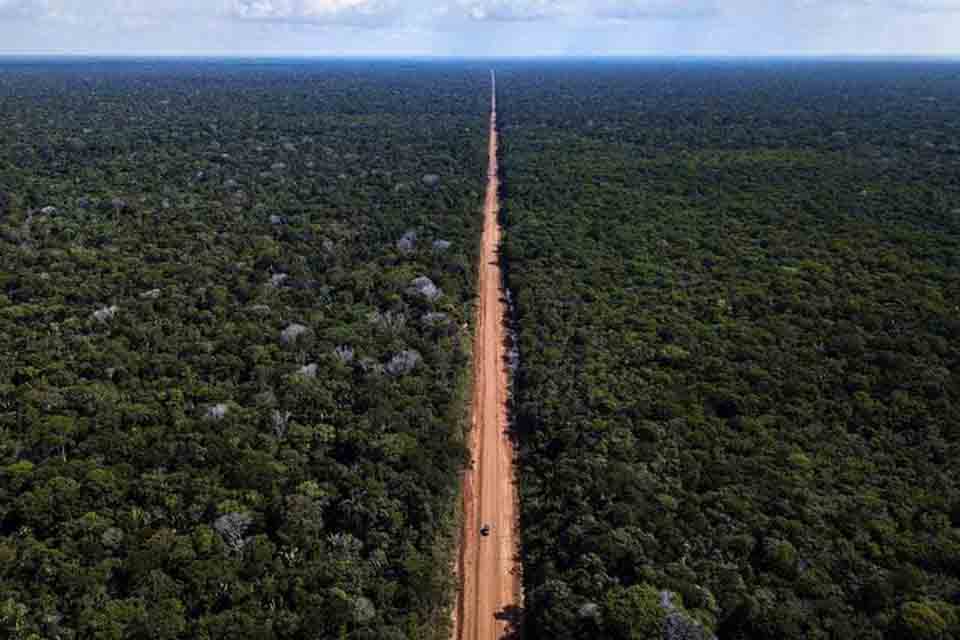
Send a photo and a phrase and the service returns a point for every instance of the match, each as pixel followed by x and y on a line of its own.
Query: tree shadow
pixel 513 616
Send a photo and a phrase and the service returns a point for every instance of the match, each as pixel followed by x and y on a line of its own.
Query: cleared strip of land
pixel 490 598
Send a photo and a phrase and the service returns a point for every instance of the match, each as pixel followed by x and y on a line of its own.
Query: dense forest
pixel 235 313
pixel 738 398
pixel 236 305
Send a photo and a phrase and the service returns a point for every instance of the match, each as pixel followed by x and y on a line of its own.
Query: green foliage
pixel 634 613
pixel 922 621
pixel 170 466
pixel 735 294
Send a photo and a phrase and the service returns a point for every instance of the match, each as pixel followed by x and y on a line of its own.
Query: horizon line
pixel 479 57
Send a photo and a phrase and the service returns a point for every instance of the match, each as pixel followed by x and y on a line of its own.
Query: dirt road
pixel 490 598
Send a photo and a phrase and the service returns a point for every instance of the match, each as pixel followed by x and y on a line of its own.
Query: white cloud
pixel 511 10
pixel 657 9
pixel 352 12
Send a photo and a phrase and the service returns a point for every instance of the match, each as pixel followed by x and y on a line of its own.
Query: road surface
pixel 490 597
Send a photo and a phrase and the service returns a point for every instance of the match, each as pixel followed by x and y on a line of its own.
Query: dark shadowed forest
pixel 738 402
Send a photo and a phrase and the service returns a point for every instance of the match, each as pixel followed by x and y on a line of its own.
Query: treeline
pixel 738 400
pixel 235 302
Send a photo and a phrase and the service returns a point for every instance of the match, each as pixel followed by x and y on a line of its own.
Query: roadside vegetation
pixel 738 401
pixel 235 311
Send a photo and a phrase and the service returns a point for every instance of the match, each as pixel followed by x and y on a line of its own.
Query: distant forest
pixel 235 320
pixel 738 404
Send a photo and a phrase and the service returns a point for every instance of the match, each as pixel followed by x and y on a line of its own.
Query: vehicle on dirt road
pixel 485 530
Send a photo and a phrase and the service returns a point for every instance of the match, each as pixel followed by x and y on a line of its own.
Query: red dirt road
pixel 490 598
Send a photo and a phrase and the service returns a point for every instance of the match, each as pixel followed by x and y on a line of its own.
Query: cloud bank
pixel 511 10
pixel 345 12
pixel 482 27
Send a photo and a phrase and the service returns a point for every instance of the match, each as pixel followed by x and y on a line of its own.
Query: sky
pixel 481 27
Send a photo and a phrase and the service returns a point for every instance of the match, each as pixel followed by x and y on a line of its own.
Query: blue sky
pixel 481 27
